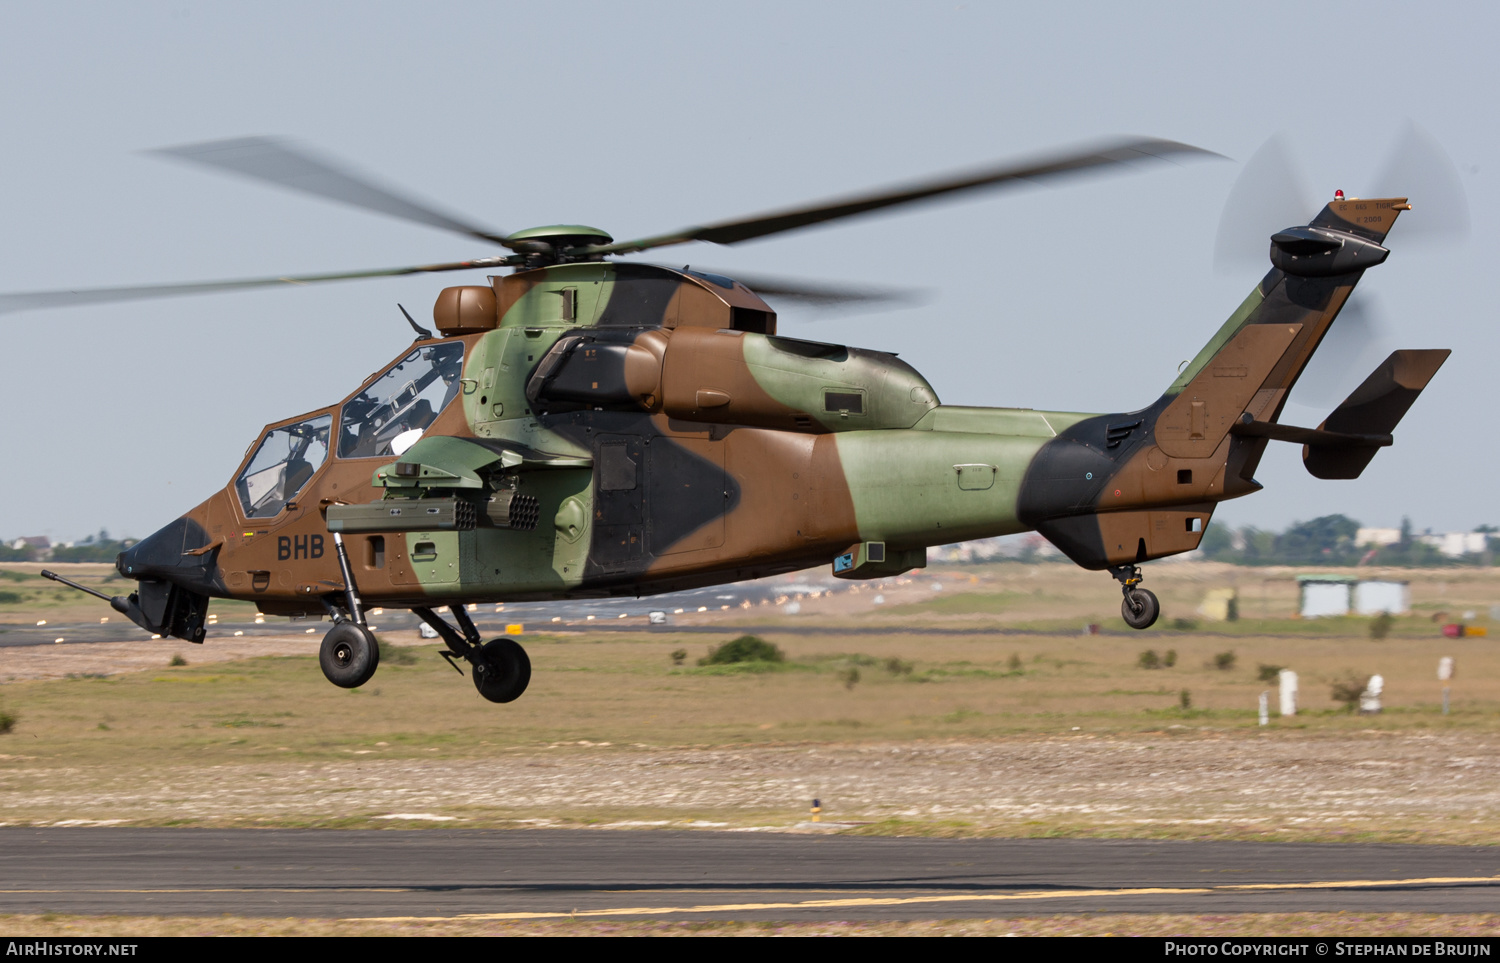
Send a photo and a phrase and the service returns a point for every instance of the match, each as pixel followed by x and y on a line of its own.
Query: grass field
pixel 958 702
pixel 1026 726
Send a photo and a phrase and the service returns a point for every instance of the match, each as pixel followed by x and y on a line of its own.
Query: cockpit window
pixel 401 402
pixel 287 457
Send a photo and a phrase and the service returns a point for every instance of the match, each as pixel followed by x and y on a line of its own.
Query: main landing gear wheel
pixel 502 671
pixel 350 655
pixel 1140 608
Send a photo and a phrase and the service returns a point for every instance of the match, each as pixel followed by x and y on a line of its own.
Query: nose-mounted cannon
pixel 176 574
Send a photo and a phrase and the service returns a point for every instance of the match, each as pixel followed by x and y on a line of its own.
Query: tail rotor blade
pixel 1420 169
pixel 1356 342
pixel 1270 194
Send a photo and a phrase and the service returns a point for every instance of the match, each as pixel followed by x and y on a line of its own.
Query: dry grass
pixel 995 726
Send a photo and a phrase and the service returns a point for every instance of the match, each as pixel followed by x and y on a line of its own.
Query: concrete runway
pixel 530 874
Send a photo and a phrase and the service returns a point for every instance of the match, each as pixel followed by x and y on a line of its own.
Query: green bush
pixel 7 721
pixel 1380 625
pixel 1269 673
pixel 1148 660
pixel 746 648
pixel 1347 690
pixel 1170 659
pixel 849 677
pixel 1015 663
pixel 177 659
pixel 895 666
pixel 11 598
pixel 1224 661
pixel 1185 699
pixel 679 656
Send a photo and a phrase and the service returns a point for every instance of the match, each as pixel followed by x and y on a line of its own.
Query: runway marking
pixel 847 902
pixel 945 898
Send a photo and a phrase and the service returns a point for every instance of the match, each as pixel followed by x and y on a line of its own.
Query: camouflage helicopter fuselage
pixel 596 428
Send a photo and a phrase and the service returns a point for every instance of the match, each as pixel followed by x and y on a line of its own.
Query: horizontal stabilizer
pixel 1374 409
pixel 1251 428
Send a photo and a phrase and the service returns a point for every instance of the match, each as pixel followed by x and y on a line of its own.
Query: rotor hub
pixel 553 242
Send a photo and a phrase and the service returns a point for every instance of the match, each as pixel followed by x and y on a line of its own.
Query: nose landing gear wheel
pixel 349 656
pixel 502 671
pixel 1140 608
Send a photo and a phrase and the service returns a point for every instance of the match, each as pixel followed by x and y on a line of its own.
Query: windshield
pixel 285 460
pixel 404 400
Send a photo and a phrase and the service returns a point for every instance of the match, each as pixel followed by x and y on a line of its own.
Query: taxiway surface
pixel 529 874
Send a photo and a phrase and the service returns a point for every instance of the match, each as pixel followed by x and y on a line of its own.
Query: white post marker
pixel 1265 708
pixel 1445 673
pixel 1369 700
pixel 1288 680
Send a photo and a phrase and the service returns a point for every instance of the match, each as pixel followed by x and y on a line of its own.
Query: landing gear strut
pixel 1139 608
pixel 502 669
pixel 350 655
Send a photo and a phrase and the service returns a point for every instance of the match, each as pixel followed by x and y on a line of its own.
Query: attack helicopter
pixel 588 427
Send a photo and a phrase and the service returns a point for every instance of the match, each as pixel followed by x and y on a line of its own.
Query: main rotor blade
pixel 820 295
pixel 32 300
pixel 730 232
pixel 278 162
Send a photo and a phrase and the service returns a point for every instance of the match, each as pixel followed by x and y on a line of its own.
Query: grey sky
pixel 641 118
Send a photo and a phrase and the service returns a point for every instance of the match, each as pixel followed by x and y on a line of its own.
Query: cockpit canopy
pixel 406 399
pixel 385 418
pixel 287 457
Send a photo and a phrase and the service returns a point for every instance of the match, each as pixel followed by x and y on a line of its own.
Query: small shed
pixel 1374 596
pixel 1344 594
pixel 1220 605
pixel 1324 595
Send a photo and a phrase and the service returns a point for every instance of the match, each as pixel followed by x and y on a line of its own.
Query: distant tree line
pixel 1329 540
pixel 94 548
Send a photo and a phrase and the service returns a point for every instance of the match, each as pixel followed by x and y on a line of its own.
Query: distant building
pixel 1324 595
pixel 39 542
pixel 989 549
pixel 1454 544
pixel 1374 597
pixel 1220 605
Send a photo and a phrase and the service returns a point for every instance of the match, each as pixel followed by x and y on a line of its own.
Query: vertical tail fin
pixel 1122 489
pixel 1315 270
